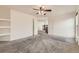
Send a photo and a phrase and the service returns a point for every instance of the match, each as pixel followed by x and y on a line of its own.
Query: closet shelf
pixel 4 19
pixel 4 27
pixel 4 34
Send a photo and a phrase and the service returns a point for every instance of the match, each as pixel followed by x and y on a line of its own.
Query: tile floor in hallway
pixel 39 44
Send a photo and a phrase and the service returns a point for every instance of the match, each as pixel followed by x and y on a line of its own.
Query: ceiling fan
pixel 42 10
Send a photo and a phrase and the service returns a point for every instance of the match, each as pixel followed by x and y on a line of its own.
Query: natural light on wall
pixel 64 28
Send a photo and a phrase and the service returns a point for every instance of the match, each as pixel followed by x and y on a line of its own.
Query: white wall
pixel 21 25
pixel 4 13
pixel 35 26
pixel 62 26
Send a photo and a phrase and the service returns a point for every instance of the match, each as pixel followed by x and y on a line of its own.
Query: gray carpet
pixel 39 44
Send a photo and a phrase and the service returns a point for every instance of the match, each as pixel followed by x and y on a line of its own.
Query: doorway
pixel 43 25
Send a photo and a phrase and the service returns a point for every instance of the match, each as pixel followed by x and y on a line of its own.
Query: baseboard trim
pixel 64 39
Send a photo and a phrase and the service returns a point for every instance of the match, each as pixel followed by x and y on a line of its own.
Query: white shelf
pixel 4 34
pixel 5 19
pixel 4 27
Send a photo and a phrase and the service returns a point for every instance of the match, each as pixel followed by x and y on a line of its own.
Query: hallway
pixel 40 44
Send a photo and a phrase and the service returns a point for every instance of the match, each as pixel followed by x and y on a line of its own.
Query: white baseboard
pixel 66 39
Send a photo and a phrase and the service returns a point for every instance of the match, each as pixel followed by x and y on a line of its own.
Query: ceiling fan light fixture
pixel 42 10
pixel 44 13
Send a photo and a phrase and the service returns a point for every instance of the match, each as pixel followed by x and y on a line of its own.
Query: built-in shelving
pixel 4 19
pixel 4 26
pixel 4 29
pixel 4 34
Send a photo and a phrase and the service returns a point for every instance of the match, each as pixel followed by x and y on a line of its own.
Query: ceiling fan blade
pixel 35 9
pixel 48 10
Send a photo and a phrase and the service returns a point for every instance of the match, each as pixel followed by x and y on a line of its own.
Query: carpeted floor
pixel 39 44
